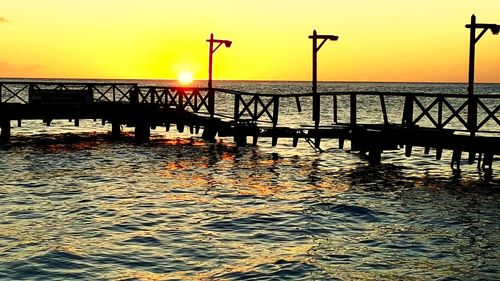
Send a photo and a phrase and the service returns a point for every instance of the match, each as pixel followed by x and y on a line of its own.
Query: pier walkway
pixel 461 123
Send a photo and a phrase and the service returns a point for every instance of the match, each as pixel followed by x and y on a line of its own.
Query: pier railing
pixel 479 113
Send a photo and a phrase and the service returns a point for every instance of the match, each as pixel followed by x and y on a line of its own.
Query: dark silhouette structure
pixel 315 49
pixel 495 29
pixel 431 121
pixel 211 51
pixel 427 120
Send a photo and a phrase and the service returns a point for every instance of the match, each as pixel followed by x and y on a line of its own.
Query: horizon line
pixel 249 80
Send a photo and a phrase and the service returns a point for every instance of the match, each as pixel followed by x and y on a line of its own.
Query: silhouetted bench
pixel 60 96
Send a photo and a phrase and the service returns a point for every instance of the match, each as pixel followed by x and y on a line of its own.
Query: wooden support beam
pixel 19 123
pixel 77 122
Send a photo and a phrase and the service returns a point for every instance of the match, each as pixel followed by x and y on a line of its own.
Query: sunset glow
pixel 389 40
pixel 185 77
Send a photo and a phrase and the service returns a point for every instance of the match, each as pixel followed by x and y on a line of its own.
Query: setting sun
pixel 185 77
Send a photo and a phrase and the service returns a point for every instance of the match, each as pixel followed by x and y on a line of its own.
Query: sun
pixel 185 77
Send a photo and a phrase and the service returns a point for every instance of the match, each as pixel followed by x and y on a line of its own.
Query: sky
pixel 379 40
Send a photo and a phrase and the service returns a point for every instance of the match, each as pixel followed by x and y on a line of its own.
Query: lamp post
pixel 211 51
pixel 315 49
pixel 472 104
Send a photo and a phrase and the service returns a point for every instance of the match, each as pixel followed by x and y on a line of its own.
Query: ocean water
pixel 76 205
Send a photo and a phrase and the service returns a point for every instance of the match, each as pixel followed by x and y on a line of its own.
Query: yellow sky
pixel 380 40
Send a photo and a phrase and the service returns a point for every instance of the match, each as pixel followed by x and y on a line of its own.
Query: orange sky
pixel 383 40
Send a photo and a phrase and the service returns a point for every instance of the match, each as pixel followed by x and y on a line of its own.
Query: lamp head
pixel 228 43
pixel 495 29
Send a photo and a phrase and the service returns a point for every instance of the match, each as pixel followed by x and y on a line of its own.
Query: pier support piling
pixel 375 156
pixel 115 129
pixel 255 139
pixel 5 124
pixel 455 159
pixel 240 139
pixel 210 130
pixel 180 127
pixel 142 132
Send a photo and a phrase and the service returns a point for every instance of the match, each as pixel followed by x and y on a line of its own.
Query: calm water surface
pixel 77 206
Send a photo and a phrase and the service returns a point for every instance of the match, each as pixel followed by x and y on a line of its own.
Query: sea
pixel 76 205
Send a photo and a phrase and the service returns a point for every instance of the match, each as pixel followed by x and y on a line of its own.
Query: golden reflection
pixel 260 257
pixel 181 141
pixel 189 198
pixel 228 157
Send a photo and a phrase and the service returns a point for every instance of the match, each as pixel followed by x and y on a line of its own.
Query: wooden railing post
pixel 211 102
pixel 408 112
pixel 440 112
pixel 384 109
pixel 152 92
pixel 335 114
pixel 134 95
pixel 472 115
pixel 276 109
pixel 353 109
pixel 236 107
pixel 255 100
pixel 180 96
pixel 299 107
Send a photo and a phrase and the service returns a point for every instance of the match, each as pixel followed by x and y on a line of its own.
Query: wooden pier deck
pixel 455 122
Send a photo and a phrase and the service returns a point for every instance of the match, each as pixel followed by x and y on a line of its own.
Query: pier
pixel 435 122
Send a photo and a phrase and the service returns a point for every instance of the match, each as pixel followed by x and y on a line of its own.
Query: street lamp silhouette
pixel 211 51
pixel 315 49
pixel 472 103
